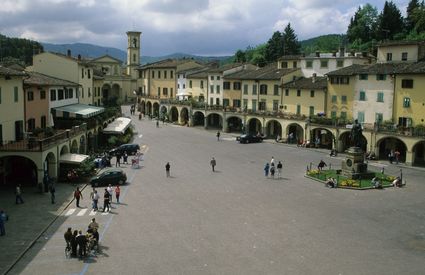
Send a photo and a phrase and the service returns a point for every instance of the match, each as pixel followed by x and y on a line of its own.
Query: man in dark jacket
pixel 82 242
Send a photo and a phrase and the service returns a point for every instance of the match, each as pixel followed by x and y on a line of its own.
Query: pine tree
pixel 291 46
pixel 274 47
pixel 410 20
pixel 362 27
pixel 390 22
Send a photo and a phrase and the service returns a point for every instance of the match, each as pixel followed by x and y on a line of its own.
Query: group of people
pixel 270 168
pixel 118 159
pixel 80 243
pixel 94 196
pixel 394 156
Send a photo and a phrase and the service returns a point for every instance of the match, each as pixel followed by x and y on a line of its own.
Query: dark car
pixel 131 149
pixel 249 138
pixel 113 176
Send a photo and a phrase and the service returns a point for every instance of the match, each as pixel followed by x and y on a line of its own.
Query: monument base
pixel 353 166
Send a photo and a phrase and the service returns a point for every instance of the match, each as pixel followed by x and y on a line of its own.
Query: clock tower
pixel 133 53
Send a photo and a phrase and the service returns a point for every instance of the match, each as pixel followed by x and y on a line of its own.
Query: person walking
pixel 266 169
pixel 218 135
pixel 78 195
pixel 110 191
pixel 3 219
pixel 95 199
pixel 279 169
pixel 18 194
pixel 73 243
pixel 68 236
pixel 272 161
pixel 106 200
pixel 117 193
pixel 117 163
pixel 397 156
pixel 167 169
pixel 125 157
pixel 272 170
pixel 213 164
pixel 52 190
pixel 82 243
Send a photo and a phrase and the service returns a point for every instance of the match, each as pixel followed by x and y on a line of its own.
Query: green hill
pixel 324 43
pixel 18 50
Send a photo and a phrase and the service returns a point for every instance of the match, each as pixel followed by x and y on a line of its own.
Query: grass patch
pixel 344 182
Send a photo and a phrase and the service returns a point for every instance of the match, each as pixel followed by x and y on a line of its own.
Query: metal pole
pixel 401 175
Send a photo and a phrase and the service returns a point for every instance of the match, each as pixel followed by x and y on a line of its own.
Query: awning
pixel 77 111
pixel 72 158
pixel 118 126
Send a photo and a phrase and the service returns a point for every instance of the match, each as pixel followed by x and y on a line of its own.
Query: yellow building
pixel 196 84
pixel 305 96
pixel 401 51
pixel 11 105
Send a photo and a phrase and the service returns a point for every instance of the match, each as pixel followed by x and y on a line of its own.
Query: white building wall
pixel 181 82
pixel 215 82
pixel 59 103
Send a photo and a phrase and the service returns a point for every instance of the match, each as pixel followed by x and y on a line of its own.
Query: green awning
pixel 77 111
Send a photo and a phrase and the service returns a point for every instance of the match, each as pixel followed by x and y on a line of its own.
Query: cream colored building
pixel 401 51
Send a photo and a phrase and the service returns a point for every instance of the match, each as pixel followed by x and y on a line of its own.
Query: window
pixel 217 101
pixel 52 95
pixel 88 73
pixel 217 88
pixel 153 74
pixel 30 95
pixel 211 101
pixel 404 56
pixel 339 63
pixel 362 96
pixel 380 97
pixel 212 89
pixel 405 121
pixel 202 84
pixel 263 89
pixel 31 124
pixel 190 84
pixel 43 122
pixel 254 105
pixel 178 85
pixel 245 89
pixel 82 73
pixel 360 117
pixel 184 86
pixel 311 111
pixel 323 63
pixel 344 115
pixel 71 92
pixel 286 92
pixel 407 83
pixel 344 99
pixel 275 105
pixel 363 76
pixel 60 94
pixel 225 102
pixel 245 103
pixel 381 77
pixel 406 102
pixel 212 77
pixel 218 77
pixel 165 91
pixel 134 57
pixel 389 56
pixel 254 89
pixel 309 64
pixel 312 93
pixel 294 64
pixel 159 91
pixel 298 92
pixel 379 118
pixel 226 85
pixel 159 74
pixel 262 105
pixel 171 74
pixel 284 64
pixel 171 92
pixel 333 115
pixel 340 80
pixel 298 109
pixel 334 98
pixel 236 85
pixel 276 90
pixel 16 95
pixel 236 103
pixel 165 74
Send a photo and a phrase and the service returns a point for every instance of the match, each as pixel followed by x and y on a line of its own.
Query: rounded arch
pixel 255 126
pixel 149 108
pixel 184 115
pixel 234 124
pixel 106 91
pixel 155 107
pixel 295 133
pixel 215 120
pixel 163 110
pixel 344 142
pixel 115 90
pixel 142 107
pixel 418 152
pixel 322 138
pixel 387 145
pixel 198 119
pixel 273 128
pixel 82 145
pixel 64 150
pixel 50 165
pixel 174 114
pixel 18 170
pixel 74 147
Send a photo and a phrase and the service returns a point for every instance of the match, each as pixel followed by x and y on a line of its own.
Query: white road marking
pixel 92 212
pixel 70 212
pixel 140 136
pixel 82 212
pixel 105 213
pixel 377 164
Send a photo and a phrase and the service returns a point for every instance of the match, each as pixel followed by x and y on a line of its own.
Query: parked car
pixel 249 138
pixel 131 149
pixel 113 176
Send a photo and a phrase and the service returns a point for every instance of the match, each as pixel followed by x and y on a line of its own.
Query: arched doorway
pixel 322 138
pixel 174 114
pixel 388 144
pixel 156 109
pixel 273 129
pixel 148 108
pixel 419 154
pixel 215 121
pixel 198 119
pixel 142 107
pixel 345 142
pixel 17 170
pixel 295 133
pixel 115 91
pixel 50 165
pixel 64 150
pixel 106 92
pixel 255 126
pixel 234 124
pixel 82 145
pixel 184 115
pixel 74 147
pixel 163 113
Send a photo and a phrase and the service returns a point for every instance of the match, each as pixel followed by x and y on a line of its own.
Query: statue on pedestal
pixel 356 134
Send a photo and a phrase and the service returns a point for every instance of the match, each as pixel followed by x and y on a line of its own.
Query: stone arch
pixel 50 165
pixel 163 112
pixel 18 170
pixel 184 115
pixel 82 146
pixel 322 138
pixel 115 90
pixel 215 120
pixel 149 108
pixel 198 119
pixel 418 152
pixel 273 128
pixel 174 114
pixel 254 126
pixel 155 107
pixel 386 144
pixel 74 146
pixel 64 150
pixel 294 133
pixel 142 107
pixel 344 142
pixel 106 91
pixel 234 124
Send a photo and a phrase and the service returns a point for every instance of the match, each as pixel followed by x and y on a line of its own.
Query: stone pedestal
pixel 353 166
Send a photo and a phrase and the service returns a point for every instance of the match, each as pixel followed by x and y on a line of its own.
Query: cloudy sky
pixel 205 27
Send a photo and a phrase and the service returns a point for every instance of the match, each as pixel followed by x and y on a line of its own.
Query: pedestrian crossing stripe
pixel 83 212
pixel 70 212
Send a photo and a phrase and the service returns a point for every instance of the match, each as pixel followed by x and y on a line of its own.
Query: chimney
pixel 313 78
pixel 79 57
pixel 68 53
pixel 341 51
pixel 317 54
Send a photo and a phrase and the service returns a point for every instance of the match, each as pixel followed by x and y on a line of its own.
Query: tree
pixel 390 22
pixel 418 16
pixel 291 46
pixel 274 47
pixel 362 27
pixel 240 56
pixel 411 20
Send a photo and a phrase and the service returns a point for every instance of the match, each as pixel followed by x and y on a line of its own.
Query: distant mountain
pixel 324 43
pixel 93 51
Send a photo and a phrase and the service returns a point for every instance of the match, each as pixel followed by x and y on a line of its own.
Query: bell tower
pixel 133 53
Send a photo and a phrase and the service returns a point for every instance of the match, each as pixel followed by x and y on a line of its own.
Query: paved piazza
pixel 236 221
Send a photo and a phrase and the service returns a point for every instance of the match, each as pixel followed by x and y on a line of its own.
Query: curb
pixel 39 235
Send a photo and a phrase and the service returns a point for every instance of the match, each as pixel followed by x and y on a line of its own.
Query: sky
pixel 203 27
